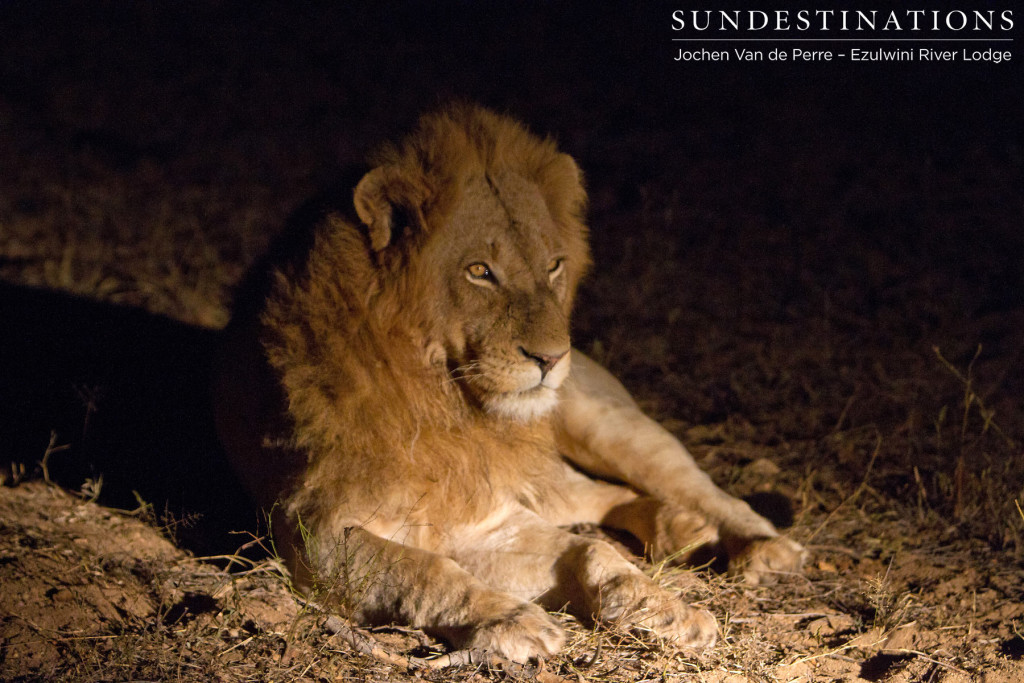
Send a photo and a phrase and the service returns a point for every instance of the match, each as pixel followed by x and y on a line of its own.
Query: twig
pixel 835 651
pixel 930 660
pixel 367 646
pixel 51 448
pixel 237 645
pixel 364 645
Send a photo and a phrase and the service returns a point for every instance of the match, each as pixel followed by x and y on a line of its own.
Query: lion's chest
pixel 457 477
pixel 492 461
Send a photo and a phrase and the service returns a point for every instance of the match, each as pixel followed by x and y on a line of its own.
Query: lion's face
pixel 488 254
pixel 505 277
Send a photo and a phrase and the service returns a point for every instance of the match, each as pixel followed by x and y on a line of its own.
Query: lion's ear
pixel 374 208
pixel 564 188
pixel 389 202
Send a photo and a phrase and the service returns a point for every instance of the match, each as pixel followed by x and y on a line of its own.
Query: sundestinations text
pixel 843 20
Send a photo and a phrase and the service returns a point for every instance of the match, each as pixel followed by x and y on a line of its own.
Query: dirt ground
pixel 812 275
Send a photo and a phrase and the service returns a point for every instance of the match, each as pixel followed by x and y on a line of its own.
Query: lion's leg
pixel 601 429
pixel 666 530
pixel 374 580
pixel 529 557
pixel 584 500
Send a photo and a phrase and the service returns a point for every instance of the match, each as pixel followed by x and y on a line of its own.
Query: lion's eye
pixel 480 271
pixel 555 267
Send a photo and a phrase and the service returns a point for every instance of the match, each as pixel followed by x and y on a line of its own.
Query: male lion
pixel 399 393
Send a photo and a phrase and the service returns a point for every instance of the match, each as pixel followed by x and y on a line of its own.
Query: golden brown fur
pixel 403 392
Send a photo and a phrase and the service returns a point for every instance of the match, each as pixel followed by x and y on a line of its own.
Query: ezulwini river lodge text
pixel 923 54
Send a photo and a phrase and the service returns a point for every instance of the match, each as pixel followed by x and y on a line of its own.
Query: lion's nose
pixel 543 360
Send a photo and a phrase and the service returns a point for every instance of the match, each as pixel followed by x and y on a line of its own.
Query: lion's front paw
pixel 767 559
pixel 642 606
pixel 679 534
pixel 526 633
